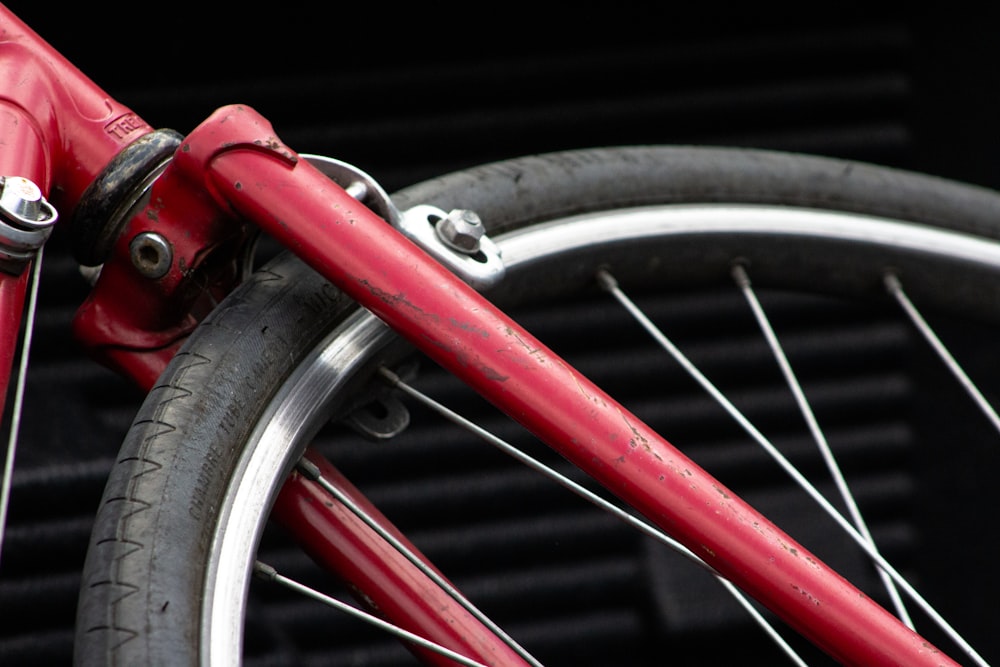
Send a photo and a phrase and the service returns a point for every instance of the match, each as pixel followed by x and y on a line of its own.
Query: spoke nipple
pixel 606 280
pixel 308 469
pixel 390 377
pixel 264 571
pixel 892 282
pixel 740 275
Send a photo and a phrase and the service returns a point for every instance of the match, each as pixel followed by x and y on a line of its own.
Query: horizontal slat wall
pixel 405 104
pixel 828 89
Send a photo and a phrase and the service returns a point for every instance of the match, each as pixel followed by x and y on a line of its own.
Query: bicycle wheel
pixel 185 507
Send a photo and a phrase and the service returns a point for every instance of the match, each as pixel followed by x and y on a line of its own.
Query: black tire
pixel 143 579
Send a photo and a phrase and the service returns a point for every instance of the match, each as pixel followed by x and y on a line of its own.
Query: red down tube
pixel 246 166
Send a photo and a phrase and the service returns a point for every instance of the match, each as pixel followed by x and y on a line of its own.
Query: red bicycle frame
pixel 232 174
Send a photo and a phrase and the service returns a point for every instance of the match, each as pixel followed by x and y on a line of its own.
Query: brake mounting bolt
pixel 461 230
pixel 151 254
pixel 22 203
pixel 26 221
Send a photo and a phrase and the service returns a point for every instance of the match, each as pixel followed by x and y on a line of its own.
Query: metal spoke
pixel 581 491
pixel 18 403
pixel 268 573
pixel 608 283
pixel 311 471
pixel 743 282
pixel 895 288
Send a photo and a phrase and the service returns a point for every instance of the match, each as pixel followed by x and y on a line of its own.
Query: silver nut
pixel 461 230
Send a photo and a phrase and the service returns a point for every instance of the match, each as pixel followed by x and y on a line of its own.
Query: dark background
pixel 407 95
pixel 411 93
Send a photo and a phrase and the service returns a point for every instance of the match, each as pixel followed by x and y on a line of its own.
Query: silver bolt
pixel 461 230
pixel 358 190
pixel 151 254
pixel 22 203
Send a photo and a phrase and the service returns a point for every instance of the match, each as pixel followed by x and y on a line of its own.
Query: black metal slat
pixel 841 90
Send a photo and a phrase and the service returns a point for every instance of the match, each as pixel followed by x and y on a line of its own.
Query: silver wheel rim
pixel 297 412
